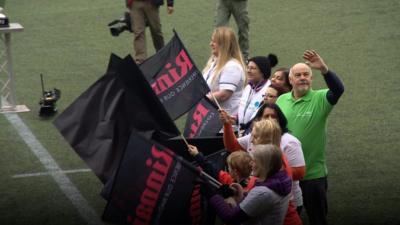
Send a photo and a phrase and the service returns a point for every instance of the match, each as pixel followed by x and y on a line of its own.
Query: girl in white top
pixel 258 73
pixel 224 71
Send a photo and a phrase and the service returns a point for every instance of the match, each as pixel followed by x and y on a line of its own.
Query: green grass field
pixel 69 42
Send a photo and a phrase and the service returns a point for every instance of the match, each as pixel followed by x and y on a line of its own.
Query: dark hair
pixel 281 117
pixel 285 72
pixel 278 89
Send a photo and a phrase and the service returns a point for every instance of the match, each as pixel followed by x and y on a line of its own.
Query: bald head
pixel 300 67
pixel 300 76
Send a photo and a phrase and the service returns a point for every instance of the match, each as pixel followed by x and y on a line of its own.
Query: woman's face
pixel 253 72
pixel 278 79
pixel 214 46
pixel 271 95
pixel 269 114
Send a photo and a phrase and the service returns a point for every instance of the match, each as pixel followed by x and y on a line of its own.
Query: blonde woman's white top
pixel 232 78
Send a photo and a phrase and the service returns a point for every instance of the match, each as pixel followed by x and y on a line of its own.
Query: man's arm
pixel 333 82
pixel 335 85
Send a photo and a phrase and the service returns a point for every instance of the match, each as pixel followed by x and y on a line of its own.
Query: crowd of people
pixel 278 124
pixel 274 122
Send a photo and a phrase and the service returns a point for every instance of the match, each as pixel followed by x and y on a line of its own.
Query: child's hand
pixel 238 189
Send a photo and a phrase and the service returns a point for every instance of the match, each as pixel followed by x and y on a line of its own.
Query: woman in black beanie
pixel 258 73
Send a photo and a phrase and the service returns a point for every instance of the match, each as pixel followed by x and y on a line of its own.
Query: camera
pixel 3 19
pixel 120 25
pixel 48 101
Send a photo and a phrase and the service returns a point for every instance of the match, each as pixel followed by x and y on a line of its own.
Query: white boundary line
pixel 50 173
pixel 63 182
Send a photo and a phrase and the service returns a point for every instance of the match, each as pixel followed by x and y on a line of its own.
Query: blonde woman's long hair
pixel 228 49
pixel 268 159
pixel 266 131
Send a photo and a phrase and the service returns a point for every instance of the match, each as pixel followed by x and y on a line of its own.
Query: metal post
pixel 8 96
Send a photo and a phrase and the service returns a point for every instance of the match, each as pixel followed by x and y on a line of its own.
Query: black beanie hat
pixel 265 63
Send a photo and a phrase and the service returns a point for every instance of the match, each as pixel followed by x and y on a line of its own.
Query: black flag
pixel 153 185
pixel 203 120
pixel 175 78
pixel 99 122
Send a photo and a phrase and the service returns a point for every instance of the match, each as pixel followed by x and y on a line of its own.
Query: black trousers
pixel 315 200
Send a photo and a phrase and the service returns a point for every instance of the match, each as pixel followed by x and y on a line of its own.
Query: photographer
pixel 142 12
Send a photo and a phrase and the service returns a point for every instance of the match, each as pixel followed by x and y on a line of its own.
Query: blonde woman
pixel 269 131
pixel 224 71
pixel 266 131
pixel 268 201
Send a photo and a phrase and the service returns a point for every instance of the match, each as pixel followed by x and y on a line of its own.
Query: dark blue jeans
pixel 315 200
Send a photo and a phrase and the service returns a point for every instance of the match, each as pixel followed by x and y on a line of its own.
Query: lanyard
pixel 247 103
pixel 253 89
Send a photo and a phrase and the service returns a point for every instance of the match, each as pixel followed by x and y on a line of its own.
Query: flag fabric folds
pixel 153 185
pixel 175 78
pixel 121 123
pixel 99 122
pixel 203 120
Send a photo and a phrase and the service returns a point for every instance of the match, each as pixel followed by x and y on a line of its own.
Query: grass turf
pixel 69 42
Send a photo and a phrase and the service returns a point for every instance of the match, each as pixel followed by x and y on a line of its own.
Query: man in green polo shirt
pixel 307 111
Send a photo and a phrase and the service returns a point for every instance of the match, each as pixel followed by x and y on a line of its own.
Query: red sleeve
pixel 298 172
pixel 251 184
pixel 286 166
pixel 129 3
pixel 230 141
pixel 225 178
pixel 292 217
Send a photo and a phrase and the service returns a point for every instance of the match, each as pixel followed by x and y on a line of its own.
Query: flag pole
pixel 215 100
pixel 184 139
pixel 203 175
pixel 212 179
